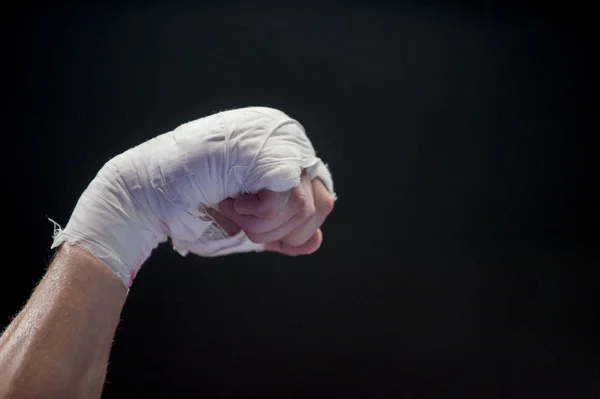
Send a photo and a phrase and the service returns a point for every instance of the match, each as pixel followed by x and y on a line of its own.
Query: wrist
pixel 105 223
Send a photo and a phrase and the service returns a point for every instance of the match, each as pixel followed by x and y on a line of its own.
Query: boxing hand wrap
pixel 162 188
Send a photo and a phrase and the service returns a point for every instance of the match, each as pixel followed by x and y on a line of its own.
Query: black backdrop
pixel 459 260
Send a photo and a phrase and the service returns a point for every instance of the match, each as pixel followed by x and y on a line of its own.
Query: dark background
pixel 461 259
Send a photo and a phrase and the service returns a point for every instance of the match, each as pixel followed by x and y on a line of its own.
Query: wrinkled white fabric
pixel 162 187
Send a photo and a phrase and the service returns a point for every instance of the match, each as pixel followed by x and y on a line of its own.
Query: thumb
pixel 265 204
pixel 309 247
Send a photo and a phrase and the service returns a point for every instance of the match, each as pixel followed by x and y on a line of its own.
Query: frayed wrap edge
pixel 59 237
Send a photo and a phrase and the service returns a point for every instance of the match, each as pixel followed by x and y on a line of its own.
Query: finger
pixel 280 232
pixel 300 202
pixel 266 204
pixel 309 247
pixel 301 196
pixel 323 207
pixel 301 199
pixel 252 224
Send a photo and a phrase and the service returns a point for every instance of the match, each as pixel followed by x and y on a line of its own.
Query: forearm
pixel 58 345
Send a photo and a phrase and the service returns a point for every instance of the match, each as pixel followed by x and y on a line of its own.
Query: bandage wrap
pixel 162 187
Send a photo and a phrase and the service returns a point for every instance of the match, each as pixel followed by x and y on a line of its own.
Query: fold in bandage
pixel 162 187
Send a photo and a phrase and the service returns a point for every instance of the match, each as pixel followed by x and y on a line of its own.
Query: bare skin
pixel 58 345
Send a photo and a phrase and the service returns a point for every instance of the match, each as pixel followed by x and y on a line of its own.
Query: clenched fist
pixel 241 180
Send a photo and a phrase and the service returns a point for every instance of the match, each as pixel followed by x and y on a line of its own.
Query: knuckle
pixel 328 205
pixel 308 211
pixel 300 202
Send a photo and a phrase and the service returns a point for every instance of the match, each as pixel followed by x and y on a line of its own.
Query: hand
pixel 163 188
pixel 288 222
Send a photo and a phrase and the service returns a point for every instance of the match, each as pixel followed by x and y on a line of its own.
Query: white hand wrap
pixel 162 187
